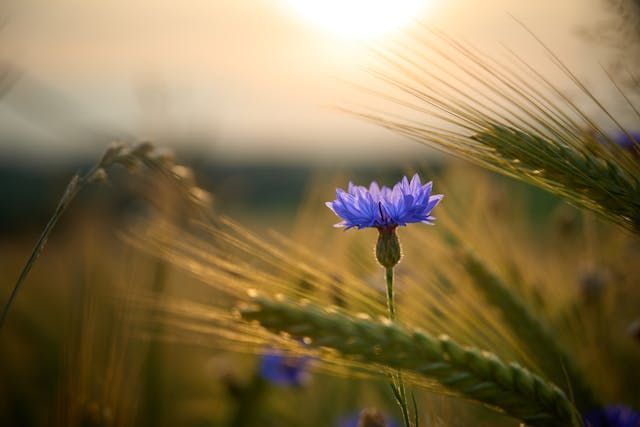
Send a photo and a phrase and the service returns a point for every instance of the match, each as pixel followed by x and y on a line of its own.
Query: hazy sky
pixel 241 78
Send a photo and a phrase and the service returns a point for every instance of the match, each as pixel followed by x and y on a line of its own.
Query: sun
pixel 360 19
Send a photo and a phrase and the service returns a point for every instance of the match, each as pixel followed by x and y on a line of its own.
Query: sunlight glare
pixel 360 19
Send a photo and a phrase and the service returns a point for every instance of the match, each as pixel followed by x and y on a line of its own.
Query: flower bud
pixel 371 417
pixel 388 252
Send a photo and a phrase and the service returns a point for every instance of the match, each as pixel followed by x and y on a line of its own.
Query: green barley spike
pixel 531 330
pixel 506 116
pixel 469 372
pixel 586 179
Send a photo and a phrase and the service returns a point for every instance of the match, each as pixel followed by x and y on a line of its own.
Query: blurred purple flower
pixel 627 140
pixel 283 370
pixel 612 416
pixel 406 203
pixel 371 418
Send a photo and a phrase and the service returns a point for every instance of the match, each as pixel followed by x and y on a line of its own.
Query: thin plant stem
pixel 397 384
pixel 129 156
pixel 390 298
pixel 73 188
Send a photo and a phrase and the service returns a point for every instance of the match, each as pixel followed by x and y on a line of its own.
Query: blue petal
pixel 407 202
pixel 415 183
pixel 283 370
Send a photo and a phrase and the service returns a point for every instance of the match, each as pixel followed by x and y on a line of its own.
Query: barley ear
pixel 531 330
pixel 469 372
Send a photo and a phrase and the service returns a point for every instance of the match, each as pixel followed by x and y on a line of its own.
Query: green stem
pixel 397 384
pixel 390 298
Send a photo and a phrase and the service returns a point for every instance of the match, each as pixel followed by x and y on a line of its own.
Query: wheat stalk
pixel 533 332
pixel 509 118
pixel 472 373
pixel 584 175
pixel 133 157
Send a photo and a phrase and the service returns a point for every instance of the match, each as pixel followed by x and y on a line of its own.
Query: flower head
pixel 369 417
pixel 407 202
pixel 627 140
pixel 284 370
pixel 612 416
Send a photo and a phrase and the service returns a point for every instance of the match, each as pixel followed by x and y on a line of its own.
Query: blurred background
pixel 247 93
pixel 241 81
pixel 245 87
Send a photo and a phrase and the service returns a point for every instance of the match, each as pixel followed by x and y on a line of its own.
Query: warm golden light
pixel 360 19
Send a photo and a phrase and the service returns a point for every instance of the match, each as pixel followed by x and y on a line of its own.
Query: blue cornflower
pixel 284 370
pixel 612 416
pixel 384 207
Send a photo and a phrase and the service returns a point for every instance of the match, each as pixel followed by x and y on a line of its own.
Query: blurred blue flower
pixel 612 416
pixel 284 370
pixel 627 140
pixel 372 417
pixel 407 202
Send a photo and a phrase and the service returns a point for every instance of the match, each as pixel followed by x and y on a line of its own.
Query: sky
pixel 235 79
